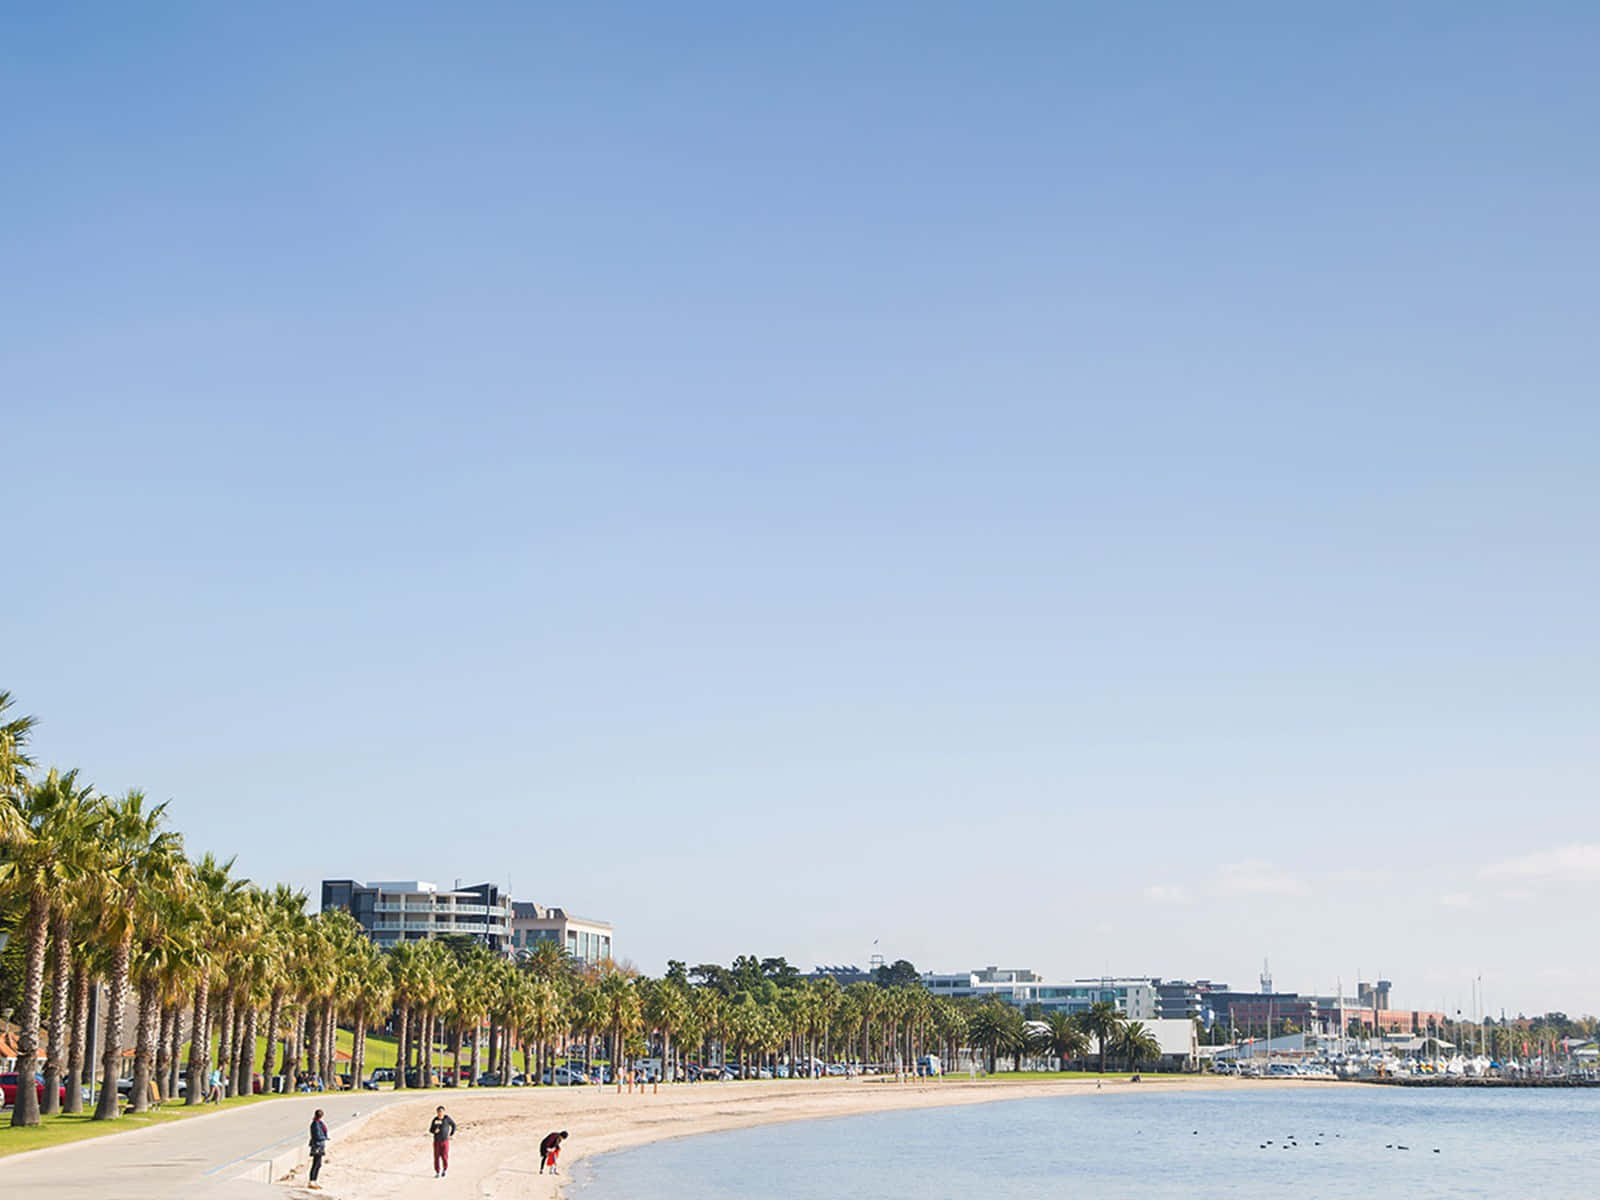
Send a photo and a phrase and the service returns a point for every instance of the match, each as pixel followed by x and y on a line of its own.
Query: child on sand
pixel 549 1149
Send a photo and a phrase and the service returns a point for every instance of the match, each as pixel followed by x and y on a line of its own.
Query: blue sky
pixel 1097 489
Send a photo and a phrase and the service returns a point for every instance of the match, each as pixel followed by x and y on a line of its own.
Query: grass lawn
pixel 59 1129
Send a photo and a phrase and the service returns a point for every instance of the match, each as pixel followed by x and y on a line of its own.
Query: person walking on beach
pixel 319 1147
pixel 214 1086
pixel 443 1129
pixel 549 1149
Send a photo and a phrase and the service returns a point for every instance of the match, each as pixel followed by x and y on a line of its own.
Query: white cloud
pixel 1166 893
pixel 1256 878
pixel 1455 900
pixel 1576 863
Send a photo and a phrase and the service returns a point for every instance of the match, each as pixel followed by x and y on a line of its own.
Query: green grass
pixel 62 1128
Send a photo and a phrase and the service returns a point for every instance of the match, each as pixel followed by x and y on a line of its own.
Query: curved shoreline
pixel 495 1154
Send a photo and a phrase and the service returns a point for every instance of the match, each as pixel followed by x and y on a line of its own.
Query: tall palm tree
pixel 217 893
pixel 52 827
pixel 374 994
pixel 14 764
pixel 666 1009
pixel 547 959
pixel 1102 1021
pixel 620 1006
pixel 161 908
pixel 1137 1044
pixel 133 850
pixel 285 920
pixel 1066 1037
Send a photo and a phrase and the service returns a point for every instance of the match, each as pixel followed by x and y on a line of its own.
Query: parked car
pixel 489 1079
pixel 8 1088
pixel 565 1076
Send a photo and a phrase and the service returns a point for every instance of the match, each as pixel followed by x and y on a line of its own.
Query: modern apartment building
pixel 412 910
pixel 586 941
pixel 1135 999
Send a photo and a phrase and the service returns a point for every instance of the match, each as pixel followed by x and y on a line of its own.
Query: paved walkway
pixel 198 1157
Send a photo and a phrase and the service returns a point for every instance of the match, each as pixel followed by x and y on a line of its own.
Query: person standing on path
pixel 443 1129
pixel 319 1147
pixel 549 1149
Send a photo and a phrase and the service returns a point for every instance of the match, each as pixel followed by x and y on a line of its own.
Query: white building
pixel 1135 999
pixel 412 910
pixel 585 941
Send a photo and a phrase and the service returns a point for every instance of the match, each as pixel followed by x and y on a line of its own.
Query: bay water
pixel 1133 1141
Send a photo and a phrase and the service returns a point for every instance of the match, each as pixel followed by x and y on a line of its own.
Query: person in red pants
pixel 443 1129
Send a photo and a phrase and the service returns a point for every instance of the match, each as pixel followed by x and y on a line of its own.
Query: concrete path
pixel 200 1157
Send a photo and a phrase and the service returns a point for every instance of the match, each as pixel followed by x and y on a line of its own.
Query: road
pixel 198 1157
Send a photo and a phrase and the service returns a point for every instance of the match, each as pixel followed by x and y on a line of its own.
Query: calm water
pixel 1542 1144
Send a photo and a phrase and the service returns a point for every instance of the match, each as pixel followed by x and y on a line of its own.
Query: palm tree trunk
pixel 79 1036
pixel 111 1061
pixel 313 1038
pixel 60 999
pixel 26 1109
pixel 225 1039
pixel 199 1041
pixel 330 1045
pixel 455 1050
pixel 292 1044
pixel 237 1053
pixel 144 1045
pixel 402 1045
pixel 269 1056
pixel 164 1051
pixel 248 1054
pixel 358 1045
pixel 477 1028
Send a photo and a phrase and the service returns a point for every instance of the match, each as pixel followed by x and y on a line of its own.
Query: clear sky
pixel 1098 488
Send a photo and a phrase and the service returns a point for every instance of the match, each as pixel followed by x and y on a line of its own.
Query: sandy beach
pixel 495 1152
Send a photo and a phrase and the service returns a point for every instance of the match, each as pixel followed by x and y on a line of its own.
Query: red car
pixel 8 1088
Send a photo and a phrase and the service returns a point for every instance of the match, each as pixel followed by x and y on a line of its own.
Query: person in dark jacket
pixel 443 1129
pixel 549 1149
pixel 319 1146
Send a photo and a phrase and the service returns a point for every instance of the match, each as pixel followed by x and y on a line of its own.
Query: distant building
pixel 843 974
pixel 1257 1011
pixel 1135 999
pixel 413 910
pixel 585 941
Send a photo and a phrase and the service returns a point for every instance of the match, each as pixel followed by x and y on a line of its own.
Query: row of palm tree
pixel 104 897
pixel 996 1029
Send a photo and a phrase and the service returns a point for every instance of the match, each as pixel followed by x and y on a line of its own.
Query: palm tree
pixel 216 894
pixel 994 1027
pixel 161 910
pixel 52 826
pixel 1101 1022
pixel 133 851
pixel 14 764
pixel 1137 1044
pixel 619 1005
pixel 285 922
pixel 1066 1037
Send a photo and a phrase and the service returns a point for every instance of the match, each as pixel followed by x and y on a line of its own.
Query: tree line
pixel 101 893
